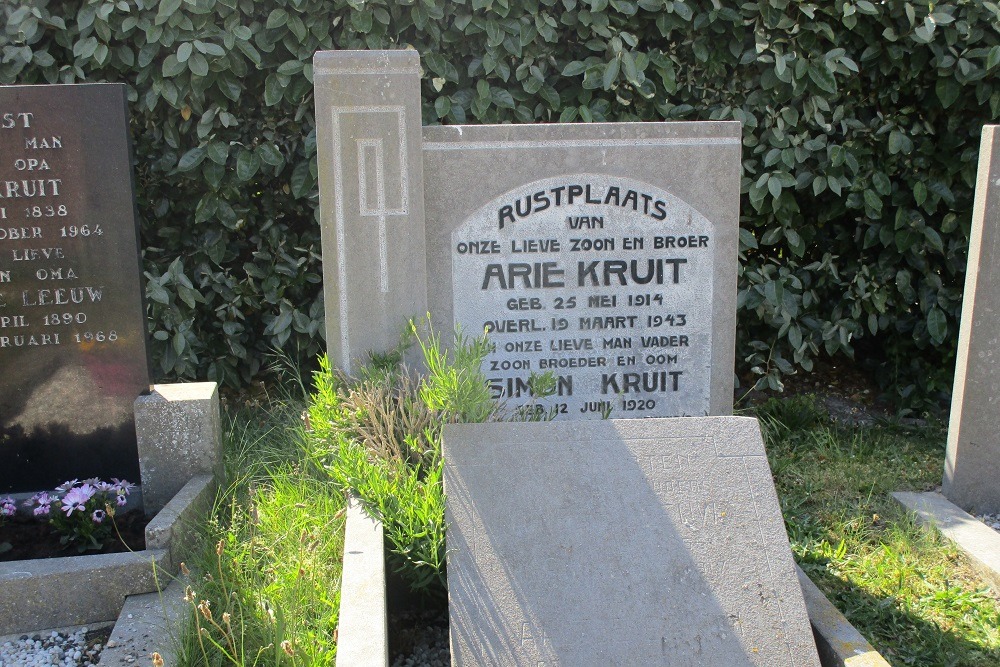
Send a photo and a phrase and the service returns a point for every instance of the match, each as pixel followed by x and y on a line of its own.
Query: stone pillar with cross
pixel 368 138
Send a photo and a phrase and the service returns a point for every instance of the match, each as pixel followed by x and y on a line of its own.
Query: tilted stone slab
pixel 972 464
pixel 625 542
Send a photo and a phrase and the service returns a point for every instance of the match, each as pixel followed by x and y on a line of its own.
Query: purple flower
pixel 66 486
pixel 98 516
pixel 121 501
pixel 42 510
pixel 7 506
pixel 77 498
pixel 122 487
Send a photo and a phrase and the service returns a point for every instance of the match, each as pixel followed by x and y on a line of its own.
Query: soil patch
pixel 30 538
pixel 848 393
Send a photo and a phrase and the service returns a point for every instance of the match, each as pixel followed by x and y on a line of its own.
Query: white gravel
pixel 51 649
pixel 430 651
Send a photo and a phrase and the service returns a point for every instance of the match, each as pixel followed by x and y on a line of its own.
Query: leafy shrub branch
pixel 861 127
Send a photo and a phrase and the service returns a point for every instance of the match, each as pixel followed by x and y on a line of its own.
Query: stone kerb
pixel 972 463
pixel 178 429
pixel 362 632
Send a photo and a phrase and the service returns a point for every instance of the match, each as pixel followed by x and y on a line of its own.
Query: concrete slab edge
pixel 79 590
pixel 148 623
pixel 838 642
pixel 173 526
pixel 362 631
pixel 88 589
pixel 979 542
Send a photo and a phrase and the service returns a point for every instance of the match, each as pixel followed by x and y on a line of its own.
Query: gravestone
pixel 603 254
pixel 972 464
pixel 619 542
pixel 73 352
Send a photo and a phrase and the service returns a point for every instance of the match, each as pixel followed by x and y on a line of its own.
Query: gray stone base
pixel 980 542
pixel 87 589
pixel 178 435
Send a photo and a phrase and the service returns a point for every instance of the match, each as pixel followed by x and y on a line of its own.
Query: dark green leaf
pixel 947 91
pixel 899 143
pixel 277 18
pixel 269 154
pixel 747 238
pixel 611 73
pixel 937 324
pixel 302 181
pixel 191 159
pixel 218 152
pixel 172 67
pixel 823 77
pixel 247 164
pixel 198 64
pixel 442 106
pixel 993 58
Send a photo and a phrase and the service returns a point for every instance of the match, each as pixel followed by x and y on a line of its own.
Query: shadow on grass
pixel 902 636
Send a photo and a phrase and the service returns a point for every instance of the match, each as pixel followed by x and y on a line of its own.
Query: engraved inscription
pixel 604 282
pixel 72 322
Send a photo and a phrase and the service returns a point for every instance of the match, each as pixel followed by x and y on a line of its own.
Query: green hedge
pixel 861 130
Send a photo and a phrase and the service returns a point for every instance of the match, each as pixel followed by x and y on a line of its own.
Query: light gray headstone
pixel 371 199
pixel 619 542
pixel 972 466
pixel 605 253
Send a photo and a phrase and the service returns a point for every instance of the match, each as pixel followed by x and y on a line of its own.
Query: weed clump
pixel 378 437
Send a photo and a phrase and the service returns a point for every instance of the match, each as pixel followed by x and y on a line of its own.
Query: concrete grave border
pixel 87 589
pixel 363 638
pixel 980 542
pixel 180 449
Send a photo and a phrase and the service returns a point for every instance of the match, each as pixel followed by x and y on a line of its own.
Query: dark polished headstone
pixel 73 352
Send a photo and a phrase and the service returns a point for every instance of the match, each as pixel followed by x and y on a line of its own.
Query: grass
pixel 272 548
pixel 911 593
pixel 266 581
pixel 379 437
